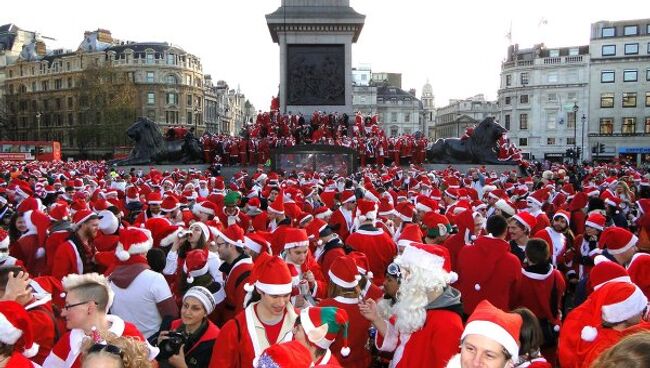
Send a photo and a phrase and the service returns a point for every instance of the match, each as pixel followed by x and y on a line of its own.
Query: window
pixel 629 99
pixel 551 120
pixel 647 29
pixel 647 99
pixel 34 85
pixel 523 99
pixel 188 80
pixel 171 117
pixel 150 58
pixel 523 78
pixel 171 79
pixel 171 59
pixel 630 75
pixel 606 100
pixel 608 50
pixel 607 76
pixel 507 100
pixel 70 102
pixel 571 119
pixel 574 51
pixel 189 117
pixel 551 97
pixel 552 77
pixel 647 75
pixel 172 98
pixel 70 84
pixel 507 121
pixel 629 126
pixel 150 77
pixel 393 117
pixel 550 141
pixel 606 126
pixel 554 53
pixel 646 129
pixel 631 30
pixel 508 80
pixel 523 121
pixel 523 142
pixel 151 98
pixel 608 32
pixel 631 48
pixel 58 103
pixel 44 86
pixel 407 118
pixel 189 100
pixel 58 83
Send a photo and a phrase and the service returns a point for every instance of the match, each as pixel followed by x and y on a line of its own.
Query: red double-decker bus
pixel 30 150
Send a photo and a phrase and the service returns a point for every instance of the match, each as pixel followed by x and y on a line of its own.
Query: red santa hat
pixel 294 237
pixel 495 324
pixel 405 211
pixel 82 216
pixel 610 199
pixel 205 207
pixel 257 243
pixel 162 231
pixel 37 223
pixel 605 271
pixel 410 234
pixel 386 208
pixel 154 198
pixel 617 240
pixel 4 240
pixel 314 228
pixel 170 203
pixel 564 214
pixel 425 204
pixel 133 241
pixel 538 197
pixel 196 264
pixel 292 354
pixel 108 223
pixel 270 275
pixel 526 219
pixel 233 235
pixel 347 196
pixel 596 220
pixel 506 206
pixel 277 206
pixel 436 224
pixel 322 212
pixel 132 194
pixel 323 324
pixel 363 265
pixel 28 204
pixel 616 302
pixel 366 210
pixel 16 328
pixel 344 273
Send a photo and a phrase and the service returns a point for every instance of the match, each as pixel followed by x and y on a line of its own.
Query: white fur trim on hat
pixel 342 283
pixel 626 309
pixel 169 239
pixel 421 258
pixel 315 334
pixel 204 229
pixel 4 244
pixel 9 334
pixel 295 244
pixel 421 207
pixel 594 225
pixel 495 332
pixel 563 215
pixel 521 221
pixel 250 244
pixel 627 246
pixel 615 279
pixel 198 208
pixel 274 289
pixel 324 214
pixel 31 352
pixel 195 273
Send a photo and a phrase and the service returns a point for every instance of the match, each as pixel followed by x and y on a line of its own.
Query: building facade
pixel 542 92
pixel 47 92
pixel 619 87
pixel 399 111
pixel 453 119
pixel 428 111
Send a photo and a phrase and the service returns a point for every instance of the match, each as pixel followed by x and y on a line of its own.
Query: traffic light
pixel 601 147
pixel 579 152
pixel 569 152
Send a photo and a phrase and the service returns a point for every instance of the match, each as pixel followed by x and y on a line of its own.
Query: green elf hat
pixel 322 325
pixel 232 198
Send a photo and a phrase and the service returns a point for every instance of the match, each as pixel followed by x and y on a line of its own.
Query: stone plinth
pixel 315 38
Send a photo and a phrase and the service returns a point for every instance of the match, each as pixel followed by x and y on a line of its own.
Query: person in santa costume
pixel 367 287
pixel 87 301
pixel 5 259
pixel 436 228
pixel 342 219
pixel 142 296
pixel 236 268
pixel 530 340
pixel 16 336
pixel 317 329
pixel 586 244
pixel 427 324
pixel 292 354
pixel 609 314
pixel 519 227
pixel 490 339
pixel 329 247
pixel 75 256
pixel 621 245
pixel 304 268
pixel 256 243
pixel 487 269
pixel 154 200
pixel 32 242
pixel 268 318
pixel 344 293
pixel 560 241
pixel 535 201
pixel 196 272
pixel 376 244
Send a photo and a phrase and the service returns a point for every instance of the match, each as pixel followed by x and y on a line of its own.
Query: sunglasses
pixel 111 349
pixel 394 270
pixel 70 306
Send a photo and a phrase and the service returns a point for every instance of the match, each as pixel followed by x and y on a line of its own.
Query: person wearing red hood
pixel 17 336
pixel 76 255
pixel 142 296
pixel 577 208
pixel 32 243
pixel 487 269
pixel 465 235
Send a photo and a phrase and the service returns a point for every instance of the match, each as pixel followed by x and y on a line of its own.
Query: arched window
pixel 171 79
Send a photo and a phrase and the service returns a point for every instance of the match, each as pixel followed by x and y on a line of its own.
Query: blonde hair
pixel 632 351
pixel 91 286
pixel 135 353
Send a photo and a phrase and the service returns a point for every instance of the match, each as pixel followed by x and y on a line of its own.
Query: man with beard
pixel 560 241
pixel 76 255
pixel 427 325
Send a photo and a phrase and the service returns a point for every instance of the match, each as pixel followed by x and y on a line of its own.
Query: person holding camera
pixel 196 237
pixel 191 339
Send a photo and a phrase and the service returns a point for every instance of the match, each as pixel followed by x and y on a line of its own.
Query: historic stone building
pixel 47 91
pixel 542 91
pixel 428 111
pixel 453 119
pixel 619 90
pixel 399 111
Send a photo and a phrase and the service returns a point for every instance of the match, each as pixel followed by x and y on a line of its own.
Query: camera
pixel 184 233
pixel 172 345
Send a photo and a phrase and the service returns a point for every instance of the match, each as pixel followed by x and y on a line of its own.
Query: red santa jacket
pixel 68 260
pixel 29 247
pixel 487 270
pixel 51 244
pixel 340 224
pixel 327 254
pixel 639 270
pixel 235 279
pixel 534 291
pixel 542 223
pixel 357 333
pixel 260 222
pixel 378 246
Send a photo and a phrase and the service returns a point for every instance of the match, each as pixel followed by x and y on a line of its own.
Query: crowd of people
pixel 389 267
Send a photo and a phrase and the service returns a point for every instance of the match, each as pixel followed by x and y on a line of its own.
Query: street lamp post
pixel 38 126
pixel 582 132
pixel 575 132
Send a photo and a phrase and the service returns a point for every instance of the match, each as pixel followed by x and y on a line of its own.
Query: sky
pixel 457 45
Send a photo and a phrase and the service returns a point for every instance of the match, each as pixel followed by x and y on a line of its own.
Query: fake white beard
pixel 385 309
pixel 340 186
pixel 412 297
pixel 4 255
